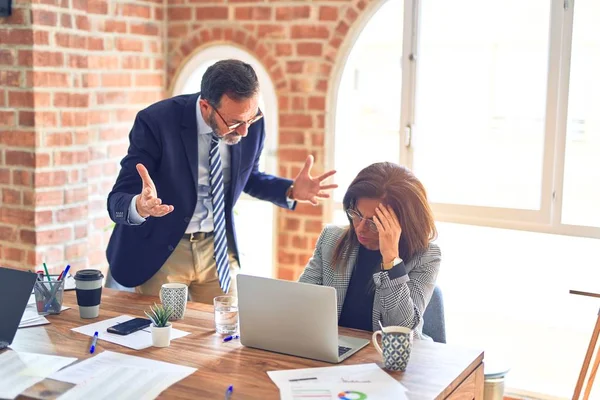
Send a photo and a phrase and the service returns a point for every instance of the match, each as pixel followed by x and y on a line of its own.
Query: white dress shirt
pixel 202 220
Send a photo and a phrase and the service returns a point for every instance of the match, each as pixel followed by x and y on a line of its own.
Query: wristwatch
pixel 391 264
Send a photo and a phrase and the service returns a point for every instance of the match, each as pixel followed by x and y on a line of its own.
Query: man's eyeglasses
pixel 233 127
pixel 356 217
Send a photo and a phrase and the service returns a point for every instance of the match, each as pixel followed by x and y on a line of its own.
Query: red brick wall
pixel 73 73
pixel 125 77
pixel 66 106
pixel 17 137
pixel 299 43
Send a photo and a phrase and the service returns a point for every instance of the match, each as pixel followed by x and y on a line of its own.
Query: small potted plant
pixel 161 327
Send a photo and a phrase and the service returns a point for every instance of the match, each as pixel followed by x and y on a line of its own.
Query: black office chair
pixel 434 321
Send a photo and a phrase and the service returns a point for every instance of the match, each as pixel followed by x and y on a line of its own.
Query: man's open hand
pixel 147 203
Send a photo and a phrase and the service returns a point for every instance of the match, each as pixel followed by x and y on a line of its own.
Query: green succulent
pixel 159 315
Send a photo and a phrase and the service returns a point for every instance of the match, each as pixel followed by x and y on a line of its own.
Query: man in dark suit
pixel 189 149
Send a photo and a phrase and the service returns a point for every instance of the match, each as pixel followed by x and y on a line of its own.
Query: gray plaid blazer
pixel 400 302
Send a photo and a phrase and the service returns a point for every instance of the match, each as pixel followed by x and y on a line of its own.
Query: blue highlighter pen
pixel 93 346
pixel 228 338
pixel 228 392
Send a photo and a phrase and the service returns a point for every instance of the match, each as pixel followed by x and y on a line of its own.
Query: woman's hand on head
pixel 389 230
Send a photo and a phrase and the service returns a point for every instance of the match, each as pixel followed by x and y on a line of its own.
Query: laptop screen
pixel 15 289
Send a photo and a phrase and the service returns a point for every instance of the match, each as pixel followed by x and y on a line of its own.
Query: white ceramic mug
pixel 396 345
pixel 174 296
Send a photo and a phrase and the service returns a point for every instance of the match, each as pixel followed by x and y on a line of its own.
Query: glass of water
pixel 226 314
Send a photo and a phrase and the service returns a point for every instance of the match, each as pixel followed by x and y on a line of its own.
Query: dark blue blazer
pixel 164 138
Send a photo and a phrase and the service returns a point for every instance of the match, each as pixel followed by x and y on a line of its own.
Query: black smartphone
pixel 127 327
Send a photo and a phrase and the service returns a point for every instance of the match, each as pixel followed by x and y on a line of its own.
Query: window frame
pixel 548 218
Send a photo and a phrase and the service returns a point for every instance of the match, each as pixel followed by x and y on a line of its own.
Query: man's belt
pixel 197 236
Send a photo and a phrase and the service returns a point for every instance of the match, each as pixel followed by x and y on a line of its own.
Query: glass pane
pixel 255 230
pixel 367 120
pixel 339 216
pixel 518 321
pixel 480 101
pixel 581 193
pixel 192 85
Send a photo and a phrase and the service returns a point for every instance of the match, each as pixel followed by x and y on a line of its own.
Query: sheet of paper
pixel 347 391
pixel 88 368
pixel 69 282
pixel 138 340
pixel 120 382
pixel 31 317
pixel 111 375
pixel 36 322
pixel 18 370
pixel 359 373
pixel 332 379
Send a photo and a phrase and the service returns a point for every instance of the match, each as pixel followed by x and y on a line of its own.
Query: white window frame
pixel 548 218
pixel 271 113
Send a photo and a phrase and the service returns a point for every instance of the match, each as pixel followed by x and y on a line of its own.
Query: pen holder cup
pixel 49 296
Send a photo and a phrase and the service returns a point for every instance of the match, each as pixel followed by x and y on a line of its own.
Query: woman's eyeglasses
pixel 233 127
pixel 356 217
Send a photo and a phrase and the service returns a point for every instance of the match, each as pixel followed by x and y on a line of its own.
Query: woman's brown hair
pixel 397 187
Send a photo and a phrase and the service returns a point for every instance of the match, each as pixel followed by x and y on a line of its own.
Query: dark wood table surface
pixel 435 371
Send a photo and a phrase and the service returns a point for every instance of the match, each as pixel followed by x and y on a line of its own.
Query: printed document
pixel 19 371
pixel 339 382
pixel 111 375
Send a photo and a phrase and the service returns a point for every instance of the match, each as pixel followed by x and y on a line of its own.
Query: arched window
pixel 255 219
pixel 367 109
pixel 496 121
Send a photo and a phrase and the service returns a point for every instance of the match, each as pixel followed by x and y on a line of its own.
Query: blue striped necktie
pixel 218 201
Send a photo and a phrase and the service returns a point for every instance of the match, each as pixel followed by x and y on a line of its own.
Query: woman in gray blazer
pixel 383 264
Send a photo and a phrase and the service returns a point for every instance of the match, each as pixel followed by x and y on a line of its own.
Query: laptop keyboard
pixel 343 350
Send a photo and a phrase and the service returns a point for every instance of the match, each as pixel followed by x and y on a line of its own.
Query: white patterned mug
pixel 174 295
pixel 396 345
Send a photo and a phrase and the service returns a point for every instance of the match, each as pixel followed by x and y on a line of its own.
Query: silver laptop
pixel 292 318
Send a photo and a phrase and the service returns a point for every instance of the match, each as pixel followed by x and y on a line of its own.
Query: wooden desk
pixel 435 371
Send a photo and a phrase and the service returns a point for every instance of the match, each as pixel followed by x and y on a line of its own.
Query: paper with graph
pixel 348 382
pixel 347 391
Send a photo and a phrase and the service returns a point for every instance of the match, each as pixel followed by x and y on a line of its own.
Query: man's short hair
pixel 234 78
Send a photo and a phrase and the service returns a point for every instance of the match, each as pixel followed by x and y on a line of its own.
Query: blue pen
pixel 63 275
pixel 228 392
pixel 94 340
pixel 228 338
